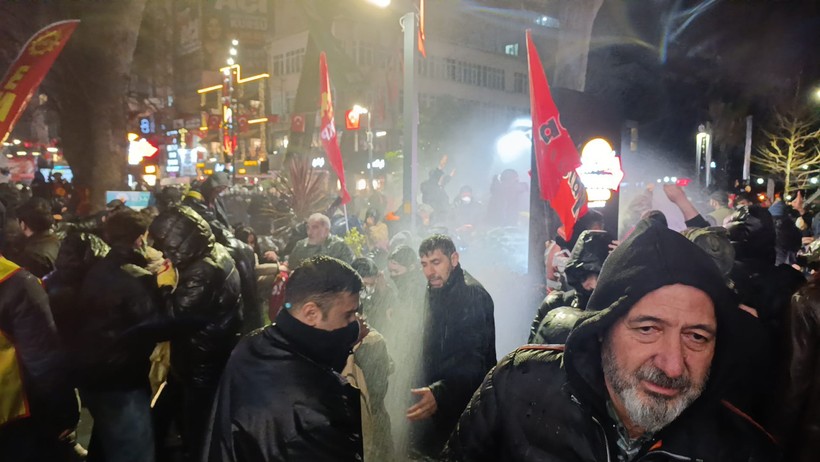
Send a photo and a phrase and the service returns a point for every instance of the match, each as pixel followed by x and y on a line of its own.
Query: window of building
pixel 278 64
pixel 294 60
pixel 547 21
pixel 511 49
pixel 520 83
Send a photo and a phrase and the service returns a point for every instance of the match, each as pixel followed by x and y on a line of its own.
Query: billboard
pixel 136 200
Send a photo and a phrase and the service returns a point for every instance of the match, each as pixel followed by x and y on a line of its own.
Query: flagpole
pixel 347 225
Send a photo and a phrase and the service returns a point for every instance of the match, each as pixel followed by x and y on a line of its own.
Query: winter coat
pixel 457 351
pixel 588 256
pixel 332 247
pixel 78 253
pixel 37 253
pixel 549 403
pixel 277 402
pixel 120 319
pixel 34 390
pixel 798 420
pixel 206 304
pixel 241 253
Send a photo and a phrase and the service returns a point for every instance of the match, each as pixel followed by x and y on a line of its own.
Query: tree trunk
pixel 91 93
pixel 577 18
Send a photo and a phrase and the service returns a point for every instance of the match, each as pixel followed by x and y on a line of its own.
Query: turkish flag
pixel 29 69
pixel 556 157
pixel 328 129
pixel 297 123
pixel 214 122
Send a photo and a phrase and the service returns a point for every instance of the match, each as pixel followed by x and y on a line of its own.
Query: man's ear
pixel 454 259
pixel 309 314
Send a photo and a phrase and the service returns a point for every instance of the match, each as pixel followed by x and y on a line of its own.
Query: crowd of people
pixel 190 335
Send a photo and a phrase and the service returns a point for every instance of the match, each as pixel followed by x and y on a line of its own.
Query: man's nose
pixel 670 358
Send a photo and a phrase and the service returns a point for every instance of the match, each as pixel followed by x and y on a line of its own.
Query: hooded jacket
pixel 548 403
pixel 588 256
pixel 206 305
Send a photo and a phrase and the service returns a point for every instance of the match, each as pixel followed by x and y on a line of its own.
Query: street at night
pixel 409 230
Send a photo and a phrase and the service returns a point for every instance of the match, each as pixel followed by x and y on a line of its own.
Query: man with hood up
pixel 582 269
pixel 207 309
pixel 207 203
pixel 642 378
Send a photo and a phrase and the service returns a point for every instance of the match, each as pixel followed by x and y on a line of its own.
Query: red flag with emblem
pixel 556 157
pixel 328 129
pixel 29 69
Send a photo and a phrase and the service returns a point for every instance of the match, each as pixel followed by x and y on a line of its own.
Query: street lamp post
pixel 410 135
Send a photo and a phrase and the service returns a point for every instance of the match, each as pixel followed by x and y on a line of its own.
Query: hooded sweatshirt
pixel 549 402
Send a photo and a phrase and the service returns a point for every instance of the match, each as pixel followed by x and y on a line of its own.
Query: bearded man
pixel 643 377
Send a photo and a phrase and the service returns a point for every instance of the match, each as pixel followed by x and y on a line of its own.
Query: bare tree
pixel 791 150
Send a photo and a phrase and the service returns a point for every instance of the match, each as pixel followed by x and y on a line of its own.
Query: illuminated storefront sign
pixel 600 171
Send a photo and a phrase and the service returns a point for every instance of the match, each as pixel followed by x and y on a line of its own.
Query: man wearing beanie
pixel 643 377
pixel 281 396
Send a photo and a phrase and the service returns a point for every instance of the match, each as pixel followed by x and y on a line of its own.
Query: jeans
pixel 122 425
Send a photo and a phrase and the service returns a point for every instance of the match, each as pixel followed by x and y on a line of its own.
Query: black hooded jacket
pixel 548 403
pixel 206 305
pixel 588 256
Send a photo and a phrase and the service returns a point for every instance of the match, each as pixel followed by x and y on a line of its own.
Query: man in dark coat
pixel 458 345
pixel 120 320
pixel 642 378
pixel 207 203
pixel 281 397
pixel 38 249
pixel 38 403
pixel 206 307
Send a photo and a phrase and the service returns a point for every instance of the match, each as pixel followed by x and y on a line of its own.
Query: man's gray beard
pixel 649 411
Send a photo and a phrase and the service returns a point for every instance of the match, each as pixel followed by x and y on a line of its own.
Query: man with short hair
pixel 281 396
pixel 319 242
pixel 458 345
pixel 120 319
pixel 38 249
pixel 644 377
pixel 719 201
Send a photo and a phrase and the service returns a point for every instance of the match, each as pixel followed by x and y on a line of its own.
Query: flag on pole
pixel 555 153
pixel 328 129
pixel 29 69
pixel 421 29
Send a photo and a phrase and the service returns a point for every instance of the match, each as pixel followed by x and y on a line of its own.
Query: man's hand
pixel 443 162
pixel 614 245
pixel 674 193
pixel 425 408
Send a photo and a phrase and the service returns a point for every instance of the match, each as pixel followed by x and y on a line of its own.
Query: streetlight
pixel 379 3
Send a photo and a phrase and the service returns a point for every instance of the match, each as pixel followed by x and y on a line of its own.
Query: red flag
pixel 328 129
pixel 28 70
pixel 422 50
pixel 297 123
pixel 556 157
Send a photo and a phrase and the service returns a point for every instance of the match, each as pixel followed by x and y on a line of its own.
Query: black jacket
pixel 37 253
pixel 29 339
pixel 457 351
pixel 78 253
pixel 588 255
pixel 207 304
pixel 120 320
pixel 548 403
pixel 278 402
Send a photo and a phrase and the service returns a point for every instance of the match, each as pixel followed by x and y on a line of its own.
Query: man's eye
pixel 646 329
pixel 698 338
